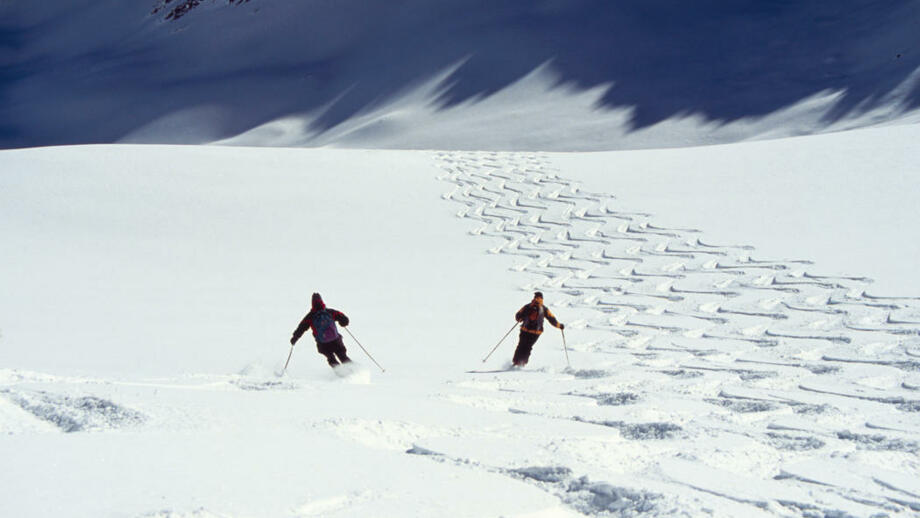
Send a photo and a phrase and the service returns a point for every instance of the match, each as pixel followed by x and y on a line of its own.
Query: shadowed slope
pixel 77 72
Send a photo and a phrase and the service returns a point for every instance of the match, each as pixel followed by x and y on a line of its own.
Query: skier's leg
pixel 329 352
pixel 530 343
pixel 340 351
pixel 525 345
pixel 518 351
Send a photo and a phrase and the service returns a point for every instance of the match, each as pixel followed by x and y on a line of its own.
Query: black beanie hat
pixel 538 295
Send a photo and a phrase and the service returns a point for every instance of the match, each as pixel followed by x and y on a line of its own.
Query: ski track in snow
pixel 73 414
pixel 198 513
pixel 578 492
pixel 734 363
pixel 705 380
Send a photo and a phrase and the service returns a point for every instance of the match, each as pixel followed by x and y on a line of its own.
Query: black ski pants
pixel 525 345
pixel 332 349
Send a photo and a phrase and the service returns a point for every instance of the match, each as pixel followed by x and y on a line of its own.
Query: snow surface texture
pixel 543 75
pixel 705 378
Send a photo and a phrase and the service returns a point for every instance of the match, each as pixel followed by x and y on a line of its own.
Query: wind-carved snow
pixel 681 339
pixel 550 113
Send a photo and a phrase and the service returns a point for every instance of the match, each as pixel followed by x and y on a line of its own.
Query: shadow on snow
pixel 260 60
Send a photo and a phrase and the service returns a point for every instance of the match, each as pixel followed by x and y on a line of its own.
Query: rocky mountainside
pixel 175 10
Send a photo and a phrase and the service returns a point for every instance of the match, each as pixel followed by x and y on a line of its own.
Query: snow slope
pixel 456 74
pixel 723 360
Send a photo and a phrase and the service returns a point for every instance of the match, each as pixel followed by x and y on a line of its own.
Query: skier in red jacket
pixel 328 340
pixel 531 317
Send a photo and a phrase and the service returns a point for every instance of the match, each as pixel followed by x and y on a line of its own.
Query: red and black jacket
pixel 307 322
pixel 531 317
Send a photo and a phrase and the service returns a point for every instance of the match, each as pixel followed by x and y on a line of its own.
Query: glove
pixel 293 341
pixel 344 322
pixel 561 326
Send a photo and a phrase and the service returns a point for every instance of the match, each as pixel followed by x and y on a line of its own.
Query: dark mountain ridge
pixel 88 71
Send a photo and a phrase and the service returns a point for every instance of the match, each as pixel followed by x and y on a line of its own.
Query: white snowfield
pixel 729 353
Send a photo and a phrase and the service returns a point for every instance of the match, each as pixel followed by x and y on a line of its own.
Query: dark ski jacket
pixel 531 316
pixel 307 322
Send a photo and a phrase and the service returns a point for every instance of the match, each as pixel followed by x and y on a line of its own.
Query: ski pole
pixel 565 348
pixel 288 360
pixel 500 342
pixel 365 350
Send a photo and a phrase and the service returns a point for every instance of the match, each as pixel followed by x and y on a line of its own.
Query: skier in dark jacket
pixel 531 317
pixel 328 340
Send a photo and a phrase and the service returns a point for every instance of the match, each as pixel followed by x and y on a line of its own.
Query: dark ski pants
pixel 525 345
pixel 332 349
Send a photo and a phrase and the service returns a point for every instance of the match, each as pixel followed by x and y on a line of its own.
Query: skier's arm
pixel 301 329
pixel 552 319
pixel 339 317
pixel 519 316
